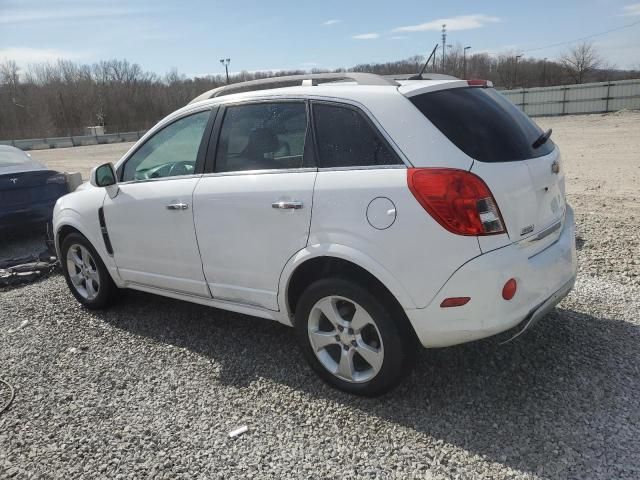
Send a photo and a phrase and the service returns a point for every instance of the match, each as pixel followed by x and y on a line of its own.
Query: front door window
pixel 171 152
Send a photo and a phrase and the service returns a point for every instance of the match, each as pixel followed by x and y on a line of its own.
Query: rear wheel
pixel 350 338
pixel 86 275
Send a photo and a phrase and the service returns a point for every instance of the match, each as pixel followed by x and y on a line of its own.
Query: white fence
pixel 571 99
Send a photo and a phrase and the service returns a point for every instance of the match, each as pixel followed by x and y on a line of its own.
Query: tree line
pixel 64 97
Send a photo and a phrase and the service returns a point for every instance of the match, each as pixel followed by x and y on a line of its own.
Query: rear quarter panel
pixel 415 249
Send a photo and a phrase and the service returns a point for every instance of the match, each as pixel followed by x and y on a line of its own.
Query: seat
pixel 261 141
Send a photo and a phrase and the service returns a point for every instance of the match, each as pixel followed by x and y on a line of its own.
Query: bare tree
pixel 60 98
pixel 580 60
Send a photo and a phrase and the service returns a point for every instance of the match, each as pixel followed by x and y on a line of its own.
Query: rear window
pixel 346 139
pixel 483 124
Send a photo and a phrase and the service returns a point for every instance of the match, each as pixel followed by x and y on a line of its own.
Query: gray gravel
pixel 152 387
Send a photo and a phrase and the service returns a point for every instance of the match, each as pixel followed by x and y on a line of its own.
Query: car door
pixel 150 220
pixel 252 208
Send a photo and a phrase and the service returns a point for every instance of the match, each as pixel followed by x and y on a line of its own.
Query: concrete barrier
pixel 74 141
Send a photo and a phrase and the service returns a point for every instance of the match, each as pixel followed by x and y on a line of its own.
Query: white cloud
pixel 366 36
pixel 332 21
pixel 631 10
pixel 462 22
pixel 398 37
pixel 26 55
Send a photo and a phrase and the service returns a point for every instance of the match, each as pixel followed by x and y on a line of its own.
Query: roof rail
pixel 295 80
pixel 425 76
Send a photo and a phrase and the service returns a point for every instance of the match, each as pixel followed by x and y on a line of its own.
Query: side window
pixel 262 136
pixel 170 152
pixel 346 139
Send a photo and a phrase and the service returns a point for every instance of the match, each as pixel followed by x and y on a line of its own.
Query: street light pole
pixel 515 73
pixel 226 62
pixel 444 43
pixel 464 62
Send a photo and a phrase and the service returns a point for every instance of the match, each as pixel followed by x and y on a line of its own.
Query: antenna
pixel 424 67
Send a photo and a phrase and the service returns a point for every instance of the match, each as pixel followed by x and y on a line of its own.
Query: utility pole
pixel 435 67
pixel 515 73
pixel 64 114
pixel 226 62
pixel 464 62
pixel 444 43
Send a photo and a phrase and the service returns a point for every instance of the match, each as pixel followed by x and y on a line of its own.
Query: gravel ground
pixel 81 159
pixel 151 388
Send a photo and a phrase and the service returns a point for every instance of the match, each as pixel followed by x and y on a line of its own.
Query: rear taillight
pixel 58 178
pixel 458 200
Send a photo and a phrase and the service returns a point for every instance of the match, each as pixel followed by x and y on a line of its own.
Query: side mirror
pixel 105 176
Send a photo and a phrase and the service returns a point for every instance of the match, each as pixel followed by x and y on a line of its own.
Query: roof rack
pixel 425 76
pixel 296 80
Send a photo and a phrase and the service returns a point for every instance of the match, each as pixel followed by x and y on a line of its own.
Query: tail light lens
pixel 458 200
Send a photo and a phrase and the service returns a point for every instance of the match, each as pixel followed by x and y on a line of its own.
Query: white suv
pixel 371 214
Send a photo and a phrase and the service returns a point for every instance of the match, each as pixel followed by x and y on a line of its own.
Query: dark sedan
pixel 28 190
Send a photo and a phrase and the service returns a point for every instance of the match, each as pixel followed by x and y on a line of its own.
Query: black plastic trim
pixel 103 230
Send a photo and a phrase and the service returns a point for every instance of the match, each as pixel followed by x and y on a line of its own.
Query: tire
pixel 372 352
pixel 85 273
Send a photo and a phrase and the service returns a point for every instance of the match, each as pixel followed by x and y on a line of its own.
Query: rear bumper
pixel 543 280
pixel 20 216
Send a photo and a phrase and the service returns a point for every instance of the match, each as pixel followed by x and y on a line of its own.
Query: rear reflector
pixel 509 289
pixel 454 302
pixel 458 200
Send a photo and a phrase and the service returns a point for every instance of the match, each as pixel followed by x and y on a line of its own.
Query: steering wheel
pixel 180 168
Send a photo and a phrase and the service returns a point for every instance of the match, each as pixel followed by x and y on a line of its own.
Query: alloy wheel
pixel 83 271
pixel 345 339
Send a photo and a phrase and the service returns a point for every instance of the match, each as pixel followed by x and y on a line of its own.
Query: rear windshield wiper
pixel 542 139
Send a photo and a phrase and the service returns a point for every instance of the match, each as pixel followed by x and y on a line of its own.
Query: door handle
pixel 295 205
pixel 177 206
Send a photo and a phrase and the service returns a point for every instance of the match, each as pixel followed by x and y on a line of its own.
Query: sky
pixel 193 35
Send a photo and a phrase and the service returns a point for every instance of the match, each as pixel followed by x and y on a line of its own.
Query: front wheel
pixel 350 338
pixel 86 275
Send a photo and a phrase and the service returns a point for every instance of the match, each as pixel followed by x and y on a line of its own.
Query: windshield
pixel 483 124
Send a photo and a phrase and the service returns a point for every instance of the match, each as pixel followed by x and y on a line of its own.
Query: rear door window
pixel 262 136
pixel 483 124
pixel 345 138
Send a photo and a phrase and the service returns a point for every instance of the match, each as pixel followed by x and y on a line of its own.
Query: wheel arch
pixel 69 221
pixel 318 262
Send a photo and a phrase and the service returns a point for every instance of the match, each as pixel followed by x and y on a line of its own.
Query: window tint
pixel 483 124
pixel 170 152
pixel 262 136
pixel 346 139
